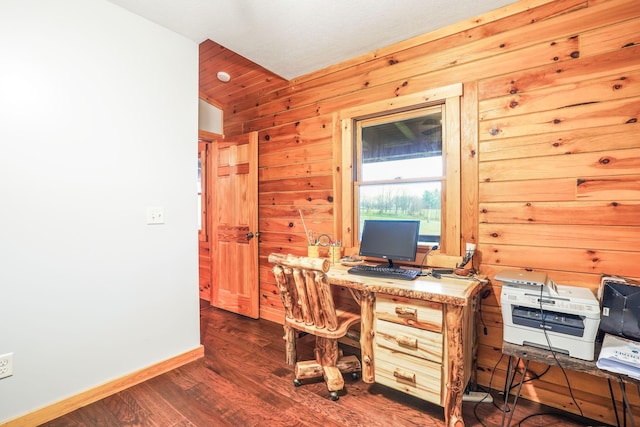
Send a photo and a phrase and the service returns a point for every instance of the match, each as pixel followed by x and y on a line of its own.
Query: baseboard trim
pixel 272 315
pixel 72 403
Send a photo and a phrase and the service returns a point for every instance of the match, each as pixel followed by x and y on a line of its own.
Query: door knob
pixel 250 235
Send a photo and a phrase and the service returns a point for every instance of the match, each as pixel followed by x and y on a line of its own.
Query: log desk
pixel 529 353
pixel 417 336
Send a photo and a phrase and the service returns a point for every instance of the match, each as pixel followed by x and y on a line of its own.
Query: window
pixel 401 160
pixel 399 169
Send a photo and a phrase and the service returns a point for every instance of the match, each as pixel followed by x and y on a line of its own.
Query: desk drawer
pixel 414 376
pixel 412 341
pixel 411 312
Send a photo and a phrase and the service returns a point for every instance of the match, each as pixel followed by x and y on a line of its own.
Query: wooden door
pixel 234 217
pixel 204 256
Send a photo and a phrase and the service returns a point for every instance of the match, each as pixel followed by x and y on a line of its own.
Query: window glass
pixel 419 200
pixel 403 148
pixel 400 169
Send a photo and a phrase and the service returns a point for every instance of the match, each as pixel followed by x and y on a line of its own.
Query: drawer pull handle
pixel 407 312
pixel 404 375
pixel 406 341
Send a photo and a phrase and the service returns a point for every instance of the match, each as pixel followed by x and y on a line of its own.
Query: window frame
pixel 204 189
pixel 360 183
pixel 449 97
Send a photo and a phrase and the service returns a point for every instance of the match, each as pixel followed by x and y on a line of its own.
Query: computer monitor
pixel 390 239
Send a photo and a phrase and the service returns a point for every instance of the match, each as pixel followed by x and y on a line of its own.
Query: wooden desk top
pixel 447 290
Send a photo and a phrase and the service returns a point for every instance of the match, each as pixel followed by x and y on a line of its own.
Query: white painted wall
pixel 98 121
pixel 209 117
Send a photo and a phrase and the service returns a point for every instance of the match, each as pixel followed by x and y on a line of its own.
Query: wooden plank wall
pixel 550 164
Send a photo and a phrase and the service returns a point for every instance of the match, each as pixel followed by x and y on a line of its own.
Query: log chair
pixel 306 295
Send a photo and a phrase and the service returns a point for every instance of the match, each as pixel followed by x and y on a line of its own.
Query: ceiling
pixel 291 38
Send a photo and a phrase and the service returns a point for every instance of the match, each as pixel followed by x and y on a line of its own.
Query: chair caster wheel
pixel 297 382
pixel 355 375
pixel 334 395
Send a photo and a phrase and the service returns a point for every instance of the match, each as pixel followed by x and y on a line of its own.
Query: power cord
pixel 475 407
pixel 483 295
pixel 537 376
pixel 432 248
pixel 484 325
pixel 566 378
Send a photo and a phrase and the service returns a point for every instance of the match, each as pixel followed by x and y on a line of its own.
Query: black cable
pixel 473 263
pixel 468 256
pixel 613 402
pixel 625 403
pixel 483 295
pixel 553 353
pixel 475 407
pixel 432 248
pixel 535 376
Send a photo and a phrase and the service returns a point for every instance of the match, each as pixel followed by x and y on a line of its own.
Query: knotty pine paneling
pixel 310 153
pixel 320 210
pixel 539 77
pixel 312 197
pixel 582 166
pixel 425 62
pixel 573 141
pixel 550 155
pixel 354 75
pixel 611 37
pixel 610 87
pixel 303 169
pixel 616 188
pixel 588 261
pixel 575 212
pixel 540 189
pixel 295 179
pixel 296 184
pixel 568 189
pixel 562 236
pixel 588 114
pixel 418 79
pixel 469 164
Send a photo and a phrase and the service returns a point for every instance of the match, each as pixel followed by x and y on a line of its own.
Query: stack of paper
pixel 620 355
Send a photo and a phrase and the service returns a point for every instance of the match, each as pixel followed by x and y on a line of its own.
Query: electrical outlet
pixel 6 365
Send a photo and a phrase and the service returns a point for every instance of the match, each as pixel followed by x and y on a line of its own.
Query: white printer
pixel 538 312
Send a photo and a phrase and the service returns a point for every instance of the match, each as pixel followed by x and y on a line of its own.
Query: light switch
pixel 155 215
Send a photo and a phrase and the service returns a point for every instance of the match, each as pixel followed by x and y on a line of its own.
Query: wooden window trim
pixel 205 139
pixel 449 97
pixel 202 155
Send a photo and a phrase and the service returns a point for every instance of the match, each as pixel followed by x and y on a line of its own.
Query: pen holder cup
pixel 335 253
pixel 313 251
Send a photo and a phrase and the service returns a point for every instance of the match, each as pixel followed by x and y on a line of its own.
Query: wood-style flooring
pixel 243 381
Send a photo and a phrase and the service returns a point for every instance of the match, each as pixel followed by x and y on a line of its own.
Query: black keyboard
pixel 384 272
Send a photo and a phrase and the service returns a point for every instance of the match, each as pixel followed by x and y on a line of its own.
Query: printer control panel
pixel 561 302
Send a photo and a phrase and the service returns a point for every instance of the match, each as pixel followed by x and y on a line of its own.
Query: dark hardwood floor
pixel 243 381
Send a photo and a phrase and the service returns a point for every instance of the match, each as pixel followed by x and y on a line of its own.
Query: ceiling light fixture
pixel 223 76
